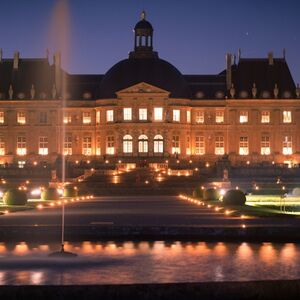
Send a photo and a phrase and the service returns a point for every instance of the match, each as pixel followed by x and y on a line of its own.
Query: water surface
pixel 148 262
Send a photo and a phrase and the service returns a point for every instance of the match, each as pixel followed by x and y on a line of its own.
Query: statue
pixel 254 90
pixel 232 91
pixel 10 92
pixel 143 15
pixel 225 175
pixel 298 91
pixel 276 91
pixel 32 91
pixel 53 175
pixel 54 92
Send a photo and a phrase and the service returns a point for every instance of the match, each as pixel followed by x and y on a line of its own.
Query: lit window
pixel 244 145
pixel 21 164
pixel 127 113
pixel 219 116
pixel 87 145
pixel 2 145
pixel 158 144
pixel 43 117
pixel 200 145
pixel 188 145
pixel 176 115
pixel 143 114
pixel 21 145
pixel 43 145
pixel 109 115
pixel 287 145
pixel 143 144
pixel 175 144
pixel 287 116
pixel 265 146
pixel 219 145
pixel 200 117
pixel 127 143
pixel 68 145
pixel 243 117
pixel 98 117
pixel 86 117
pixel 158 113
pixel 98 145
pixel 110 145
pixel 21 118
pixel 67 118
pixel 265 117
pixel 1 117
pixel 188 116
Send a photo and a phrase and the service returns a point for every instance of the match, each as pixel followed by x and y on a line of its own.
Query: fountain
pixel 60 36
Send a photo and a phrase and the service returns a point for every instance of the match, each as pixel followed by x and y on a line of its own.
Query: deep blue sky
pixel 194 35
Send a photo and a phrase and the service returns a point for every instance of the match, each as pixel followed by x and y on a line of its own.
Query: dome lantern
pixel 143 35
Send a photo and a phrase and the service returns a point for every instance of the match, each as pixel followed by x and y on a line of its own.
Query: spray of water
pixel 59 42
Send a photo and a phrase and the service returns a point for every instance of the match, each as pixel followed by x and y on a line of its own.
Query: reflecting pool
pixel 148 262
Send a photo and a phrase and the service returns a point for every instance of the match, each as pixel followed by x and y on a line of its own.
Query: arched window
pixel 158 144
pixel 127 143
pixel 143 144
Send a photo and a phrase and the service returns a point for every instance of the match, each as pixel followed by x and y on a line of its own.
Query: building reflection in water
pixel 36 278
pixel 288 253
pixel 220 249
pixel 21 249
pixel 2 278
pixel 267 253
pixel 244 252
pixel 3 249
pixel 159 261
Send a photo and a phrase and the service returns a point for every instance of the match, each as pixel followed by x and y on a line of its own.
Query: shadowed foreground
pixel 211 290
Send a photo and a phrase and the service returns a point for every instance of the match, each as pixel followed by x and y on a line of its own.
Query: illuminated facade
pixel 143 107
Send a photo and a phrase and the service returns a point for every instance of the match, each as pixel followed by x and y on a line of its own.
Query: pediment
pixel 142 88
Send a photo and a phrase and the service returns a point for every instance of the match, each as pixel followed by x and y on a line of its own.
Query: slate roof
pixel 154 71
pixel 30 71
pixel 84 86
pixel 207 86
pixel 264 75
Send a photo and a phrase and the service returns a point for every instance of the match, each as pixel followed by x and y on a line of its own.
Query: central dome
pixel 143 65
pixel 153 71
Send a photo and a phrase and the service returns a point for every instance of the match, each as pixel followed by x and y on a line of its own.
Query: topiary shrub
pixel 70 192
pixel 234 197
pixel 50 194
pixel 15 197
pixel 296 192
pixel 198 192
pixel 211 194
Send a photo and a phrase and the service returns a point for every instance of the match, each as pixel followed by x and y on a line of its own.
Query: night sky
pixel 194 35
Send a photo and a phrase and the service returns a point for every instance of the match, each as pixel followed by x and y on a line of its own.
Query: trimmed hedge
pixel 211 194
pixel 15 197
pixel 198 192
pixel 50 194
pixel 70 192
pixel 267 191
pixel 234 197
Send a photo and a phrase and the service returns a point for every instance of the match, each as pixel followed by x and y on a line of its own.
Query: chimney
pixel 16 60
pixel 228 70
pixel 284 53
pixel 271 58
pixel 239 54
pixel 58 71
